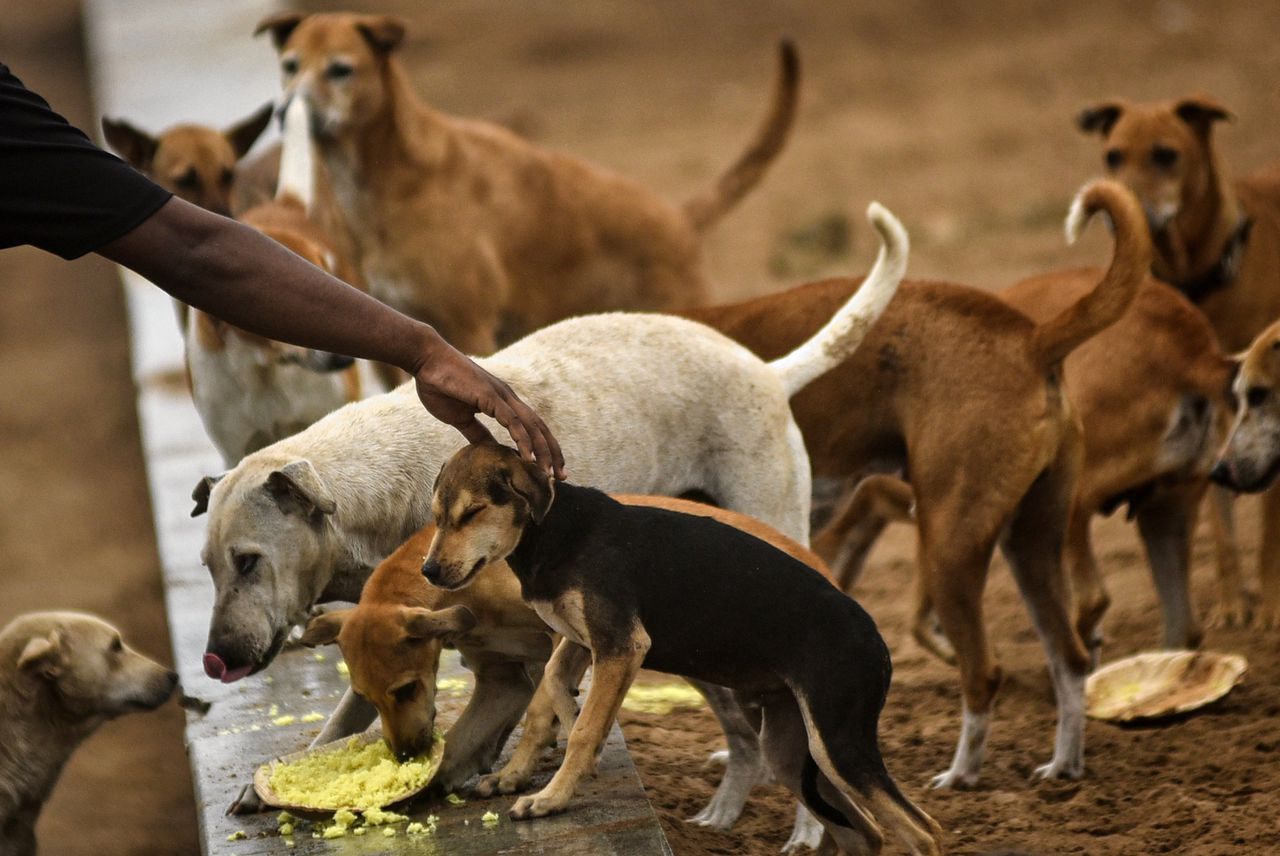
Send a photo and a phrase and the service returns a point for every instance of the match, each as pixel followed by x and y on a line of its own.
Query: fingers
pixel 475 432
pixel 545 448
pixel 509 419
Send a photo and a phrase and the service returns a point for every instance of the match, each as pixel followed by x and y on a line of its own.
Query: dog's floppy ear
pixel 133 144
pixel 297 488
pixel 281 25
pixel 384 33
pixel 1100 118
pixel 200 495
pixel 441 623
pixel 245 133
pixel 1200 112
pixel 42 655
pixel 324 628
pixel 527 481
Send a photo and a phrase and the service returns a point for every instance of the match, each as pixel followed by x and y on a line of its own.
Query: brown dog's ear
pixel 297 488
pixel 133 144
pixel 281 25
pixel 324 629
pixel 384 33
pixel 1100 118
pixel 1200 112
pixel 245 133
pixel 527 481
pixel 200 495
pixel 42 655
pixel 438 623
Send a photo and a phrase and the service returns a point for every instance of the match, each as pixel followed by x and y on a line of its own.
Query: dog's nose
pixel 431 570
pixel 213 666
pixel 404 755
pixel 1221 474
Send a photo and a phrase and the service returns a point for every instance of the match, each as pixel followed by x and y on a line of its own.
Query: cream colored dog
pixel 644 403
pixel 473 229
pixel 62 674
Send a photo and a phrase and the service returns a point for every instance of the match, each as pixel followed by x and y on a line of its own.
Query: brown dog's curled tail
pixel 705 209
pixel 1130 264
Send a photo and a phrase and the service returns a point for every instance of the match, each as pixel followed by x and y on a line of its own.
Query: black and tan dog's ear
pixel 298 489
pixel 281 25
pixel 324 628
pixel 245 133
pixel 438 623
pixel 133 144
pixel 1100 118
pixel 200 495
pixel 42 655
pixel 384 33
pixel 527 481
pixel 1201 112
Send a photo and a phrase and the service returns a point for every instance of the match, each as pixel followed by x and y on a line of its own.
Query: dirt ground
pixel 956 116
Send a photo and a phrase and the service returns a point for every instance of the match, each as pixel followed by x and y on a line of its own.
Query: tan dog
pixel 471 228
pixel 965 393
pixel 1152 393
pixel 194 162
pixel 62 674
pixel 392 641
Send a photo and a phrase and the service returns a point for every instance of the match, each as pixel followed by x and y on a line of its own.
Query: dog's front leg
pixel 502 693
pixel 611 676
pixel 352 716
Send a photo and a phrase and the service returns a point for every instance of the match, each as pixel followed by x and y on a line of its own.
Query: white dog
pixel 62 674
pixel 647 404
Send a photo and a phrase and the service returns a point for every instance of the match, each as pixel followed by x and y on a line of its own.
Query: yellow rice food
pixel 354 776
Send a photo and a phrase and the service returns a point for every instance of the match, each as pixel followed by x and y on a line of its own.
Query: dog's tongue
pixel 216 669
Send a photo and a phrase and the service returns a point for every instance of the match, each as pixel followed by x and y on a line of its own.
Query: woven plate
pixel 262 778
pixel 1164 683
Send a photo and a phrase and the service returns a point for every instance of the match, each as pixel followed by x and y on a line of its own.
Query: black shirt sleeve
pixel 58 191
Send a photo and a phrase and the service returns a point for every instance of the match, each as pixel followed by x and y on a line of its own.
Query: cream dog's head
pixel 393 654
pixel 484 498
pixel 81 668
pixel 194 162
pixel 340 63
pixel 1250 460
pixel 1161 151
pixel 268 540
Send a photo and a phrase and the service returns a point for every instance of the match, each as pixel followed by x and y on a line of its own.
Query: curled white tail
pixel 297 169
pixel 840 336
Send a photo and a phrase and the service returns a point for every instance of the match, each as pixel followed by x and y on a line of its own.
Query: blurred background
pixel 958 116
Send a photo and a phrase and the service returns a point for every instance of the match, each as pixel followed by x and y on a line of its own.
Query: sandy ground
pixel 959 119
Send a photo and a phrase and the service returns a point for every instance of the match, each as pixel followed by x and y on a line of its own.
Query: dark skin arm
pixel 234 273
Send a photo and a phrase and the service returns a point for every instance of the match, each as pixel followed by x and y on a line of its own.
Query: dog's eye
pixel 406 694
pixel 116 646
pixel 1164 157
pixel 246 563
pixel 1115 158
pixel 339 70
pixel 465 517
pixel 289 65
pixel 226 177
pixel 1257 396
pixel 188 180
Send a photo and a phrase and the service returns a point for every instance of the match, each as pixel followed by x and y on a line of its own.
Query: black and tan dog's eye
pixel 339 70
pixel 1257 396
pixel 465 517
pixel 1115 158
pixel 246 563
pixel 1164 157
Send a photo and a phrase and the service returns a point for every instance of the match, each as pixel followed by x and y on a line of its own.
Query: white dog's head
pixel 268 548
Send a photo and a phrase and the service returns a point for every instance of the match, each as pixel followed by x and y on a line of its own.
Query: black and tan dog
pixel 687 595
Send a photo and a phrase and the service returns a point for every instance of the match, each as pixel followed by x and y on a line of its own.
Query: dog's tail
pixel 1130 263
pixel 903 818
pixel 840 336
pixel 297 164
pixel 704 210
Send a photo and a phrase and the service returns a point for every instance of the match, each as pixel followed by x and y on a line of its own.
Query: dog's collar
pixel 1224 271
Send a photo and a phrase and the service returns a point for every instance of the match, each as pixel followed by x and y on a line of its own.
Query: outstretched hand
pixel 454 390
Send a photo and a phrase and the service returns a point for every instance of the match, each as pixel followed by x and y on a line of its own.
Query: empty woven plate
pixel 1164 683
pixel 327 779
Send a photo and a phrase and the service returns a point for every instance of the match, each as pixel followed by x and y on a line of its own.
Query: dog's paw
pixel 717 760
pixel 247 802
pixel 718 814
pixel 500 783
pixel 1230 613
pixel 955 779
pixel 1267 616
pixel 1058 770
pixel 537 805
pixel 805 835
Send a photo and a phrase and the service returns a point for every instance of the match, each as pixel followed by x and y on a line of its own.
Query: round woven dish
pixel 262 778
pixel 1163 683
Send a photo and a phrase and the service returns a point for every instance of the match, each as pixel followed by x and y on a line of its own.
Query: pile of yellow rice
pixel 354 776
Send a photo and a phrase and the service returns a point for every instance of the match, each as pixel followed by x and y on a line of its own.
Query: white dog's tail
pixel 297 166
pixel 840 336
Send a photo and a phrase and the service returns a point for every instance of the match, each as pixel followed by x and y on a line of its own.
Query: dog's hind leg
pixel 872 505
pixel 1033 547
pixel 1232 609
pixel 743 770
pixel 1087 589
pixel 1166 521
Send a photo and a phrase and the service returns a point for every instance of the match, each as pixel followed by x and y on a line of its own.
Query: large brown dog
pixel 1152 393
pixel 964 393
pixel 467 226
